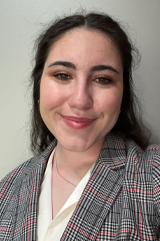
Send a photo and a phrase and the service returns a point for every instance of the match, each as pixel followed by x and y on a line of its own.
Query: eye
pixel 102 80
pixel 62 76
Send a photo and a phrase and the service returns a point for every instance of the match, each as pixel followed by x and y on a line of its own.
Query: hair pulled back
pixel 129 124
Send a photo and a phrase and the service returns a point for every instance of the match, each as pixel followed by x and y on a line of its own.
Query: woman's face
pixel 81 89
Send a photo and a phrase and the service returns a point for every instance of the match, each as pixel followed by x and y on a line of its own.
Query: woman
pixel 94 181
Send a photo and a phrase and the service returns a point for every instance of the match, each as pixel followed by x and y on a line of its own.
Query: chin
pixel 76 146
pixel 82 144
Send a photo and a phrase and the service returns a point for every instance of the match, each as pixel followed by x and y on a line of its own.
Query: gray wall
pixel 20 23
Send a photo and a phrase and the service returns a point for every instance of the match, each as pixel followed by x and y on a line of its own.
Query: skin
pixel 81 89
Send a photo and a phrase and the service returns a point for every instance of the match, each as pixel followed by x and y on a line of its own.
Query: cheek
pixel 112 102
pixel 50 97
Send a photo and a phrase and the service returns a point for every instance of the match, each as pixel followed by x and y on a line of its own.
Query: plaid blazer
pixel 121 200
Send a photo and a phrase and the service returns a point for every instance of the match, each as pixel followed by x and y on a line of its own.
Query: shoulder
pixel 152 155
pixel 145 164
pixel 149 153
pixel 154 151
pixel 10 182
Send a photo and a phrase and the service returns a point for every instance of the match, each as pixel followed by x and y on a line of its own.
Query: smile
pixel 77 122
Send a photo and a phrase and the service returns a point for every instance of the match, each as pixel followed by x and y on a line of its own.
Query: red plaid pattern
pixel 121 200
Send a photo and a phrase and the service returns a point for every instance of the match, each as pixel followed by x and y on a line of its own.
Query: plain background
pixel 20 23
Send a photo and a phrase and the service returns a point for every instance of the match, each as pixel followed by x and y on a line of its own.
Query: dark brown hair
pixel 129 123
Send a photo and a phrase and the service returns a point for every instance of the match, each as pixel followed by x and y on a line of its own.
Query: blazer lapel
pixel 24 205
pixel 100 193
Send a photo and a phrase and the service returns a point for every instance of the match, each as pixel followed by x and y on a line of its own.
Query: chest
pixel 61 191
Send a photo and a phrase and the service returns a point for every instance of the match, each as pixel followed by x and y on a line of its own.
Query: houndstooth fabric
pixel 121 200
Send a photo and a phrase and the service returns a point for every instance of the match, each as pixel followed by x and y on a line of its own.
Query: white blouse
pixel 49 229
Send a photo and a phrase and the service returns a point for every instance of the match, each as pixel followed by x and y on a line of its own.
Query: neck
pixel 74 165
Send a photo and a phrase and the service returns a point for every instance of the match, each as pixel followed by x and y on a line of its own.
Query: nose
pixel 80 96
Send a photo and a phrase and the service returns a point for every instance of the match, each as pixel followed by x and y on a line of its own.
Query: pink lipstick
pixel 77 122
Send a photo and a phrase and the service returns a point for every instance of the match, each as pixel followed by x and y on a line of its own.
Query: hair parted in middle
pixel 129 124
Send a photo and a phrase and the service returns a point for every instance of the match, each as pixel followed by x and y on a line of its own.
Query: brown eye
pixel 62 76
pixel 102 80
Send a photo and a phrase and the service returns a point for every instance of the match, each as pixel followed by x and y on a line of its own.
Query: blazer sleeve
pixel 156 183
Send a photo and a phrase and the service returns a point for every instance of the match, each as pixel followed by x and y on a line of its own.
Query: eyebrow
pixel 63 63
pixel 94 68
pixel 104 67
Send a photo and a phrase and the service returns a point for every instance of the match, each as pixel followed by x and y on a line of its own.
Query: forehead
pixel 85 44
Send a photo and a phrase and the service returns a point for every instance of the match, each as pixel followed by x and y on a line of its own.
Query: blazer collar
pixel 113 153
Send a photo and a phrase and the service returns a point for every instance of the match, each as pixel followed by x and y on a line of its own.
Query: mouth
pixel 77 122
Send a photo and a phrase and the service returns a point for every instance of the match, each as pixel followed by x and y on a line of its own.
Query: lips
pixel 77 122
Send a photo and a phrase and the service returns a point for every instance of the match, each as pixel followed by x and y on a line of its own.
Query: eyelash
pixel 103 80
pixel 100 79
pixel 61 76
